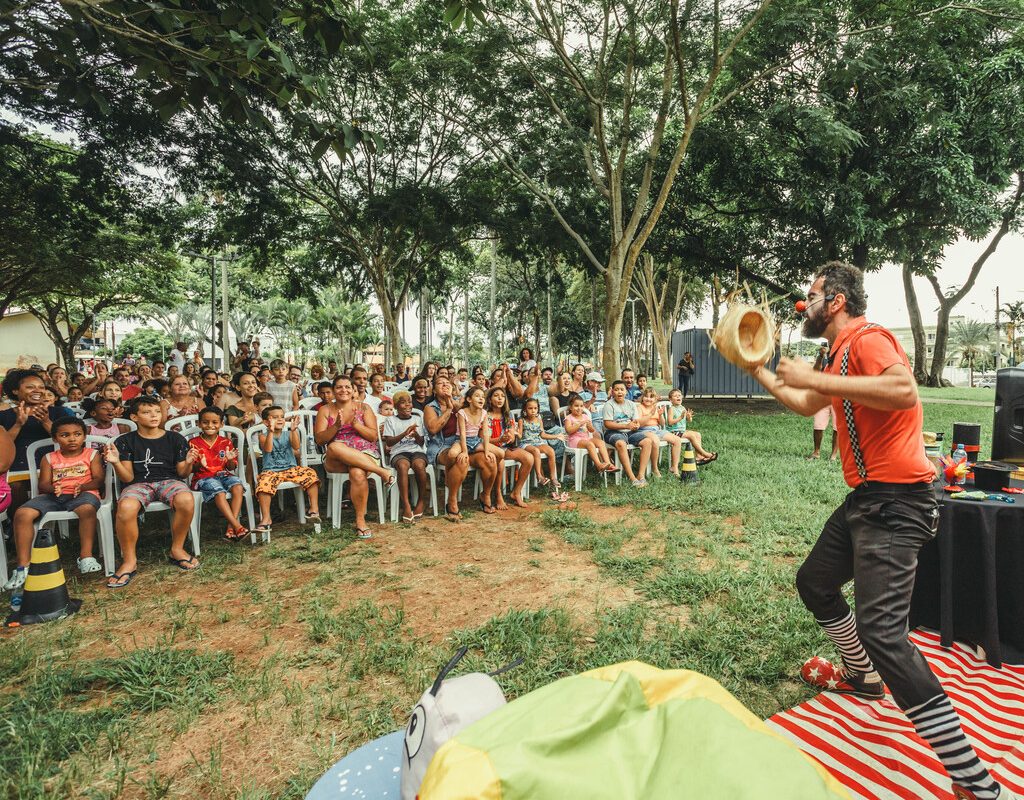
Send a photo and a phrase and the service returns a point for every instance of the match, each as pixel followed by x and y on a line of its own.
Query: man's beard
pixel 814 326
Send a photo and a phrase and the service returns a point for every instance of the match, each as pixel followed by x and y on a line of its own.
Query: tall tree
pixel 604 81
pixel 378 210
pixel 667 293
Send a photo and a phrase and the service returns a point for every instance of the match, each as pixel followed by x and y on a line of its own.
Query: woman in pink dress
pixel 349 429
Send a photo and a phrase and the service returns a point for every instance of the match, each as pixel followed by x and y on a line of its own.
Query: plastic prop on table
pixel 979 495
pixel 1012 490
pixel 627 731
pixel 447 707
pixel 954 469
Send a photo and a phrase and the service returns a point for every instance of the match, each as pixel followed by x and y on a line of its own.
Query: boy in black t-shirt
pixel 151 464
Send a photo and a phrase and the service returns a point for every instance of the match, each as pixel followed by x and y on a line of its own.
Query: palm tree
pixel 973 341
pixel 1015 318
pixel 350 321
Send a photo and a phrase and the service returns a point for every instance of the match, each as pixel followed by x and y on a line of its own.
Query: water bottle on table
pixel 959 455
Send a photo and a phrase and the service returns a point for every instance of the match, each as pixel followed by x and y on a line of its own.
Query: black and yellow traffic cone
pixel 45 596
pixel 688 473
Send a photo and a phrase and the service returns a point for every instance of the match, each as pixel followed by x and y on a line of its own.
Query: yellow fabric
pixel 473 770
pixel 45 555
pixel 40 583
pixel 660 686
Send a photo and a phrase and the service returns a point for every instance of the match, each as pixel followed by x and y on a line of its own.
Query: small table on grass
pixel 970 578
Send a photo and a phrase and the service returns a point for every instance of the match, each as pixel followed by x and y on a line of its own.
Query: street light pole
pixel 213 310
pixel 998 343
pixel 225 329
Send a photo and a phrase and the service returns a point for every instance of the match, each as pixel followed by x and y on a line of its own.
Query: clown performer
pixel 874 537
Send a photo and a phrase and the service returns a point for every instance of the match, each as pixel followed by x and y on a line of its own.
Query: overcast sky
pixel 887 305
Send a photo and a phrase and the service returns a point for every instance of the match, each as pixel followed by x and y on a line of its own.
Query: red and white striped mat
pixel 872 748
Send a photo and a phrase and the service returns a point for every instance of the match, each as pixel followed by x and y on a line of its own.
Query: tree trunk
pixel 916 326
pixel 716 300
pixel 611 360
pixel 941 338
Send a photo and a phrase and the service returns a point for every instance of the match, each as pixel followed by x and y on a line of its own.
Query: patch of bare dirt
pixel 485 566
pixel 444 576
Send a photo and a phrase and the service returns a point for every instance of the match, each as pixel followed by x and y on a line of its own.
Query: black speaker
pixel 1008 426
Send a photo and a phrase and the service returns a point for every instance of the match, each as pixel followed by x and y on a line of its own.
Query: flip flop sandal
pixel 364 533
pixel 452 516
pixel 236 534
pixel 122 580
pixel 181 562
pixel 409 520
pixel 263 528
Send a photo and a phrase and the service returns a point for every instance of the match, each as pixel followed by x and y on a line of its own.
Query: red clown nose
pixel 801 306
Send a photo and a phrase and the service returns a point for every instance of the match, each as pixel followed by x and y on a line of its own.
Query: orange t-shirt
pixel 891 441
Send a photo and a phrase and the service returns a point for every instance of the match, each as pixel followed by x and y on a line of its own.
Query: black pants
pixel 684 383
pixel 873 538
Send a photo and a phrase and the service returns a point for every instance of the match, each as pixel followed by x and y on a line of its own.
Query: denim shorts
pixel 629 437
pixel 45 503
pixel 218 484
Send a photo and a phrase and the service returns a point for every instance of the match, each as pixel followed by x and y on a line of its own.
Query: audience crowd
pixel 178 432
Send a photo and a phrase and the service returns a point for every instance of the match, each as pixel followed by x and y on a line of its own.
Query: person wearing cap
pixel 592 392
pixel 592 396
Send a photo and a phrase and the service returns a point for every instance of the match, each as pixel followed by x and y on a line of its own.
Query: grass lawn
pixel 246 680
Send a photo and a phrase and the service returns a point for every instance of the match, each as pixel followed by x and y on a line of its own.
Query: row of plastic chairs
pixel 105 513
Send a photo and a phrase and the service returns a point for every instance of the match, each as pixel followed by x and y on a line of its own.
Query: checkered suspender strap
pixel 851 427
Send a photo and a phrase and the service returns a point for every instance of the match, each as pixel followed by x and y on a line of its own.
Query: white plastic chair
pixel 336 487
pixel 580 459
pixel 413 487
pixel 3 551
pixel 104 515
pixel 237 437
pixel 178 424
pixel 307 403
pixel 122 421
pixel 256 453
pixel 307 418
pixel 156 505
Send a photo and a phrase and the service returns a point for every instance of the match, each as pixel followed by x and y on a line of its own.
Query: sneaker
pixel 823 674
pixel 17 579
pixel 88 564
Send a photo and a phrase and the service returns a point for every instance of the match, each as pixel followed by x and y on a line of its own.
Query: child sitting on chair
pixel 404 435
pixel 69 480
pixel 152 465
pixel 279 447
pixel 213 471
pixel 103 413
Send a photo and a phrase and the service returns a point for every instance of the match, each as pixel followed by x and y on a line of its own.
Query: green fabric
pixel 581 737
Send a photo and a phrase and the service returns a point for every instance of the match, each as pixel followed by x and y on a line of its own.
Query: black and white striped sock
pixel 937 723
pixel 843 633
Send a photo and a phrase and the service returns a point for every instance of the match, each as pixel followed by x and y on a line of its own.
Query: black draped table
pixel 970 578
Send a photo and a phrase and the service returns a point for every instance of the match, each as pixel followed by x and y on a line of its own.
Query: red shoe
pixel 823 674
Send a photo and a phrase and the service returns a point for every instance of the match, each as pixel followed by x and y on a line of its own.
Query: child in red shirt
pixel 212 471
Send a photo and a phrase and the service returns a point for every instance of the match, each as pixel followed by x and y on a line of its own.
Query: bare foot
pixel 519 501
